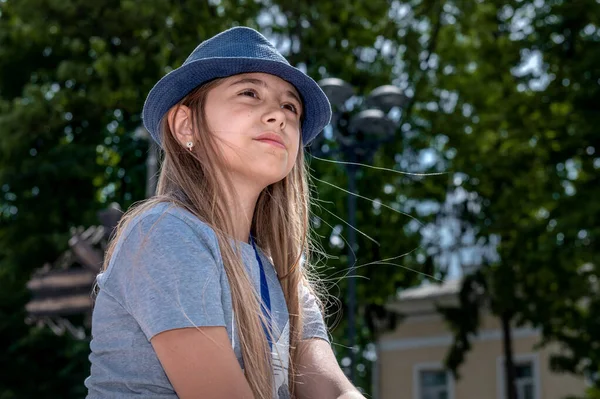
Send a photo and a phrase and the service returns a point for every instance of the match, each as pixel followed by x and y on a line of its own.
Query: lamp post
pixel 358 136
pixel 151 160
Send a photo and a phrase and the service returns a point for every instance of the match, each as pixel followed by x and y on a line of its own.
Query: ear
pixel 180 124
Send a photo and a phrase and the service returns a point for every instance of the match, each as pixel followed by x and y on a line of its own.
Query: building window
pixel 434 384
pixel 432 381
pixel 524 381
pixel 526 377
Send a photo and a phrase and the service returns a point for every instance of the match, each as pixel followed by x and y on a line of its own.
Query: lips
pixel 272 139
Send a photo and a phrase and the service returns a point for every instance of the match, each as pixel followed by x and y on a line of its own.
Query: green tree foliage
pixel 525 142
pixel 368 44
pixel 74 78
pixel 520 144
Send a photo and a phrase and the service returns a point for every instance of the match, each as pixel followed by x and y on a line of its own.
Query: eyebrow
pixel 259 82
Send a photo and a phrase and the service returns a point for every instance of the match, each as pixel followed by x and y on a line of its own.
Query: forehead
pixel 271 81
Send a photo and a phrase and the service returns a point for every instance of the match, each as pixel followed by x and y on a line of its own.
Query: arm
pixel 169 280
pixel 201 363
pixel 320 375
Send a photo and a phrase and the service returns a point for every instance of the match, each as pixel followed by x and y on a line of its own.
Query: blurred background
pixel 473 269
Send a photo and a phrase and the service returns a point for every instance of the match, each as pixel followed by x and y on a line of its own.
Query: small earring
pixel 190 145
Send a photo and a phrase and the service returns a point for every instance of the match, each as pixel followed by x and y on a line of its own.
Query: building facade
pixel 410 358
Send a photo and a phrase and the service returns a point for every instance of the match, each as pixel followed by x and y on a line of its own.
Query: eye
pixel 249 93
pixel 291 107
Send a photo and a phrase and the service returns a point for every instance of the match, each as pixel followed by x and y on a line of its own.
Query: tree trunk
pixel 509 367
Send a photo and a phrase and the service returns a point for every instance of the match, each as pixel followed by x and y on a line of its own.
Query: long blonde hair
pixel 280 226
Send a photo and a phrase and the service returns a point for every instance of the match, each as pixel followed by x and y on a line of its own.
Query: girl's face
pixel 255 118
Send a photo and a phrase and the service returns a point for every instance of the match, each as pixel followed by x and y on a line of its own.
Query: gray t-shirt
pixel 166 273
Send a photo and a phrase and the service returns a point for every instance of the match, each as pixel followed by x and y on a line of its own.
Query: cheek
pixel 234 125
pixel 293 156
pixel 218 123
pixel 224 119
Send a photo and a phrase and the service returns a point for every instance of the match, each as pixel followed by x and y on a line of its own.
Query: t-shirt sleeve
pixel 167 275
pixel 314 326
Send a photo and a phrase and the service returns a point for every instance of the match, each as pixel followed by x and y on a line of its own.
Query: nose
pixel 275 117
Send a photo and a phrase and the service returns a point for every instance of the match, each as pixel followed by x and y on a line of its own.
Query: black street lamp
pixel 151 160
pixel 358 136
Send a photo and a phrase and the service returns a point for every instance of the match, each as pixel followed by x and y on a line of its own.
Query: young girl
pixel 203 292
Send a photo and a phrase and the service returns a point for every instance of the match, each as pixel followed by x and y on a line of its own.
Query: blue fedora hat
pixel 234 51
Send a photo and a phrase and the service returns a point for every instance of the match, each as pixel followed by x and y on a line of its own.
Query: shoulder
pixel 166 235
pixel 166 226
pixel 165 217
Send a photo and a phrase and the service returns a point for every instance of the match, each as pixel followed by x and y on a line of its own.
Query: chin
pixel 273 179
pixel 263 175
pixel 271 172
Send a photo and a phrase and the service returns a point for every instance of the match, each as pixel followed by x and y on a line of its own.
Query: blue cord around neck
pixel 266 298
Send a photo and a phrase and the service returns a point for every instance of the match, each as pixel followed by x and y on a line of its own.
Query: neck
pixel 242 211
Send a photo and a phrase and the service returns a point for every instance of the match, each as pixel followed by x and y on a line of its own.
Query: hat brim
pixel 179 82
